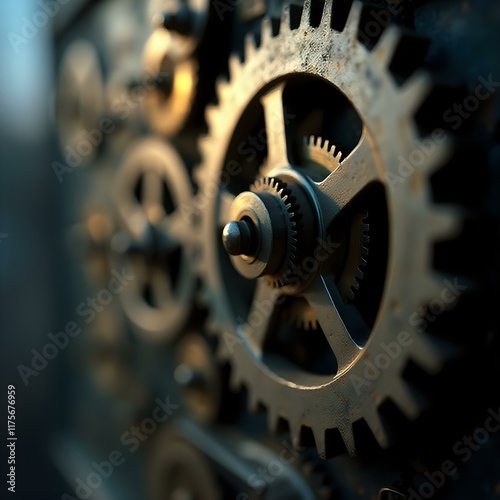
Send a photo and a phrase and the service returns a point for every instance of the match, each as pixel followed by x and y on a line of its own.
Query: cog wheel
pixel 156 243
pixel 320 154
pixel 270 90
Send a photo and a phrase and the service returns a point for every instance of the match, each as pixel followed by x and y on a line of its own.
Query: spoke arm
pixel 275 120
pixel 352 175
pixel 261 314
pixel 337 320
pixel 151 188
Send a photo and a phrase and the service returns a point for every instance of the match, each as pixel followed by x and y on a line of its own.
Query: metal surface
pixel 386 110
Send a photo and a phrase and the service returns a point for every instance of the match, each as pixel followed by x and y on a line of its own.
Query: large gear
pixel 327 402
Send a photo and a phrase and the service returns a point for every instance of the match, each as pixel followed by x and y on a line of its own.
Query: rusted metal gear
pixel 328 401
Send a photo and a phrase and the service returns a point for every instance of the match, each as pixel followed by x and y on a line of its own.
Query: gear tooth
pixel 431 353
pixel 378 429
pixel 444 222
pixel 311 140
pixel 285 19
pixel 272 419
pixel 326 145
pixel 320 440
pixel 415 90
pixel 441 154
pixel 305 20
pixel 386 46
pixel 234 66
pixel 250 46
pixel 410 401
pixel 348 438
pixel 253 402
pixel 353 20
pixel 211 116
pixel 326 16
pixel 432 284
pixel 204 145
pixel 267 30
pixel 221 85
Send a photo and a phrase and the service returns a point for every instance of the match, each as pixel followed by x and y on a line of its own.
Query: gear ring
pixel 332 402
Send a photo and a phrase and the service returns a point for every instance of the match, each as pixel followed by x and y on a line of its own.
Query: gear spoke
pixel 336 320
pixel 347 180
pixel 274 113
pixel 174 228
pixel 260 315
pixel 152 195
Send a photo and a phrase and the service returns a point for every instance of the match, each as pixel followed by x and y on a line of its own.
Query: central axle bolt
pixel 239 237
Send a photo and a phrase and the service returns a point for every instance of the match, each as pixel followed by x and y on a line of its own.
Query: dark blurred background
pixel 34 265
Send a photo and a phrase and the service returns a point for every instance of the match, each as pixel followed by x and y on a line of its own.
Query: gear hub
pixel 262 237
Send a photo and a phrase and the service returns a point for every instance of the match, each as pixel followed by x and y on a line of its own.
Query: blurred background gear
pixel 156 244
